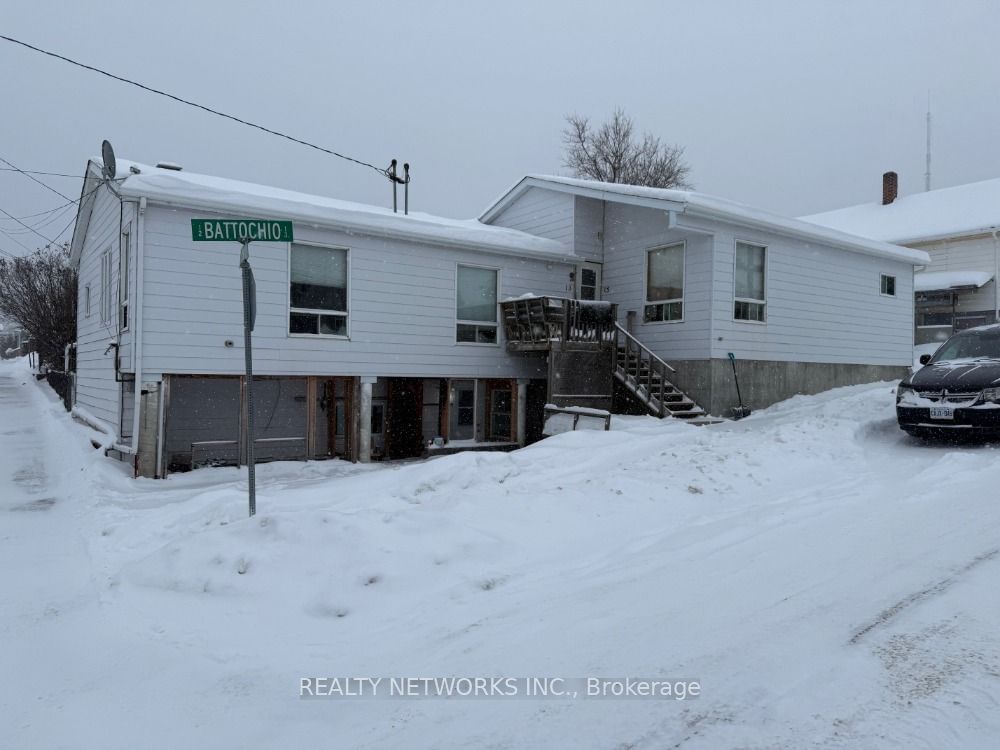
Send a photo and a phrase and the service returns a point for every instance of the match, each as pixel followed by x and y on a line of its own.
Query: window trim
pixel 86 300
pixel 737 241
pixel 288 295
pixel 106 303
pixel 458 322
pixel 882 275
pixel 682 244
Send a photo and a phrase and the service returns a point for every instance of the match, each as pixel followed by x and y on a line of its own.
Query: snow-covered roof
pixel 932 281
pixel 937 214
pixel 708 206
pixel 194 190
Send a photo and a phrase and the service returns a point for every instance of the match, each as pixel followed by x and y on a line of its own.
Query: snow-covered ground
pixel 827 580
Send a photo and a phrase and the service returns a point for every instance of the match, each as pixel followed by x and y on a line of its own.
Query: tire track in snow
pixel 916 597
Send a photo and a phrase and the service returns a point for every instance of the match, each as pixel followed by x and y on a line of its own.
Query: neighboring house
pixel 383 335
pixel 802 308
pixel 958 228
pixel 11 338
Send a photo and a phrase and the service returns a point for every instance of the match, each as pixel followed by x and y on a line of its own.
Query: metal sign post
pixel 245 231
pixel 249 318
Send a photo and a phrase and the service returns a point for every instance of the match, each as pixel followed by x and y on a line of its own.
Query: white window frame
pixel 762 302
pixel 288 295
pixel 86 301
pixel 106 305
pixel 124 262
pixel 682 244
pixel 481 323
pixel 881 277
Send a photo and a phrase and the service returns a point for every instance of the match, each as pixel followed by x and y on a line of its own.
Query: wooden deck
pixel 534 324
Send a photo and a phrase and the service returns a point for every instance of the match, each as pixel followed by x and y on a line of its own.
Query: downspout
pixel 133 448
pixel 140 265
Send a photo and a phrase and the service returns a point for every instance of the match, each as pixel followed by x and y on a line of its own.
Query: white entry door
pixel 588 281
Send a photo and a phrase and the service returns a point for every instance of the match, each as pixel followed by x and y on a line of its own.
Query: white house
pixel 958 228
pixel 695 278
pixel 379 334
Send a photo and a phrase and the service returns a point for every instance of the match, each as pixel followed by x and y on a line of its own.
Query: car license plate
pixel 942 412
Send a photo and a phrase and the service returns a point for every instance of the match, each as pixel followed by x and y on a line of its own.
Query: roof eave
pixel 85 207
pixel 527 182
pixel 843 240
pixel 355 227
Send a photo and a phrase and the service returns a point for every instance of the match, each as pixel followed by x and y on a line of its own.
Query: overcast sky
pixel 792 106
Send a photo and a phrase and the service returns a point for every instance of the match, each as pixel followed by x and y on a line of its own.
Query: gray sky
pixel 792 106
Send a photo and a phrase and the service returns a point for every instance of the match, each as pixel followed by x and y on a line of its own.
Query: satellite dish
pixel 108 154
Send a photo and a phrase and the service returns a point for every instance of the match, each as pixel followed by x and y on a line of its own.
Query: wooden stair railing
pixel 644 375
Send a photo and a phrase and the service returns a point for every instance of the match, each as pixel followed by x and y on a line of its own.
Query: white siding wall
pixel 588 229
pixel 823 305
pixel 972 254
pixel 545 213
pixel 97 391
pixel 401 307
pixel 629 232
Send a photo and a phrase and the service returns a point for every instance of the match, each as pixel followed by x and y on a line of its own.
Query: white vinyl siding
pixel 97 391
pixel 402 306
pixel 821 304
pixel 630 231
pixel 545 213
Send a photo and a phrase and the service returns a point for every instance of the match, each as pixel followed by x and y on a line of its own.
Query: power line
pixel 49 174
pixel 381 171
pixel 55 216
pixel 51 242
pixel 49 211
pixel 35 179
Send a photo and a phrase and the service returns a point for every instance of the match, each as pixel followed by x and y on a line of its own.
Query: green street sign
pixel 238 230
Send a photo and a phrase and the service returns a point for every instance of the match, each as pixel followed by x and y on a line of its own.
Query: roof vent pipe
pixel 890 187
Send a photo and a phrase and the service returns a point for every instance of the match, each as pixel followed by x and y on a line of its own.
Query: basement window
pixel 664 284
pixel 887 285
pixel 750 302
pixel 317 291
pixel 476 305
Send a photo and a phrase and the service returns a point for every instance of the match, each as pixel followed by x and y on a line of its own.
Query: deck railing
pixel 541 322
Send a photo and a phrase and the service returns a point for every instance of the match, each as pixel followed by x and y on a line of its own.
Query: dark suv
pixel 957 390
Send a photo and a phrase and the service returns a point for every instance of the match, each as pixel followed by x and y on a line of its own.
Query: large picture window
pixel 750 303
pixel 476 305
pixel 318 291
pixel 664 284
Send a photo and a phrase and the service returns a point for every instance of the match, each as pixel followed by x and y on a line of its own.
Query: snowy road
pixel 829 581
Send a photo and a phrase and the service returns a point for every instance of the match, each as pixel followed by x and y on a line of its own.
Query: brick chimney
pixel 890 187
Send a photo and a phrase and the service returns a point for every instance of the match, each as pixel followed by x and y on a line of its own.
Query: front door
pixel 463 410
pixel 588 281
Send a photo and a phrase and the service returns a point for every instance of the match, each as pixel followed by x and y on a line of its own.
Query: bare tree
pixel 39 292
pixel 613 153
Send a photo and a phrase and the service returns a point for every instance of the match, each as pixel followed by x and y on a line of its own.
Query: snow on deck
pixel 828 581
pixel 936 214
pixel 198 190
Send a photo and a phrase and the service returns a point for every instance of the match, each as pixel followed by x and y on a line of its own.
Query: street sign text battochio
pixel 238 230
